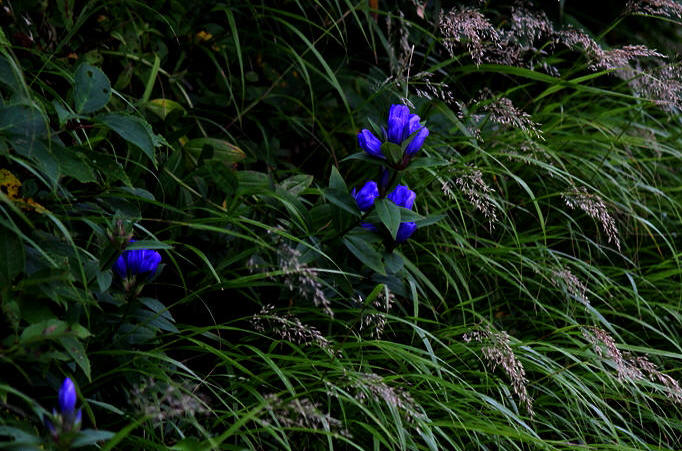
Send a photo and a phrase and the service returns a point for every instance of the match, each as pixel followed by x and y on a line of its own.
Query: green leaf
pixel 252 182
pixel 38 151
pixel 51 329
pixel 163 107
pixel 21 440
pixel 148 244
pixel 23 120
pixel 392 151
pixel 74 164
pixel 425 162
pixel 12 257
pixel 365 252
pixel 132 129
pixel 389 214
pixel 91 89
pixel 223 151
pixel 88 437
pixel 343 200
pixel 393 262
pixel 224 178
pixel 104 279
pixel 336 182
pixel 10 76
pixel 296 184
pixel 77 352
pixel 407 215
pixel 428 220
pixel 365 158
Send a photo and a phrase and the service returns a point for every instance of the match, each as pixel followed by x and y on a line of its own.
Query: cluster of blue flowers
pixel 404 129
pixel 401 195
pixel 404 134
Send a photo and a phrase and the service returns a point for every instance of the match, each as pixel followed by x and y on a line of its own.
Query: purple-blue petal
pixel 370 143
pixel 402 196
pixel 411 125
pixel 398 117
pixel 405 230
pixel 67 396
pixel 417 142
pixel 121 266
pixel 366 196
pixel 138 261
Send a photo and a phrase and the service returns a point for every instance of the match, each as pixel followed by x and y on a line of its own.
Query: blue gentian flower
pixel 404 197
pixel 68 418
pixel 67 396
pixel 401 125
pixel 138 261
pixel 370 143
pixel 417 141
pixel 405 230
pixel 398 117
pixel 366 196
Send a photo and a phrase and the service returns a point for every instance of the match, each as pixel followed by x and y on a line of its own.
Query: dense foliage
pixel 340 224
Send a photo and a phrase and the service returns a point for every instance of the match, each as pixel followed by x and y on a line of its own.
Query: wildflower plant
pixel 397 225
pixel 67 419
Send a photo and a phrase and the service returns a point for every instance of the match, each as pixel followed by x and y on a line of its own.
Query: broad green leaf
pixel 52 329
pixel 91 89
pixel 296 184
pixel 393 262
pixel 163 107
pixel 389 214
pixel 336 181
pixel 74 164
pixel 23 120
pixel 77 352
pixel 132 129
pixel 343 200
pixel 253 182
pixel 223 151
pixel 10 76
pixel 365 252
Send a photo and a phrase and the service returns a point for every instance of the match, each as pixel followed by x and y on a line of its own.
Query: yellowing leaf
pixel 10 185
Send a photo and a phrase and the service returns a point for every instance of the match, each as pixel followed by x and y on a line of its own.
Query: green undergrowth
pixel 537 306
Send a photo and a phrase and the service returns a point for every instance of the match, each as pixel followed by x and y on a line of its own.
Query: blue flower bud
pixel 67 396
pixel 135 262
pixel 402 196
pixel 405 230
pixel 418 140
pixel 370 143
pixel 398 117
pixel 366 196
